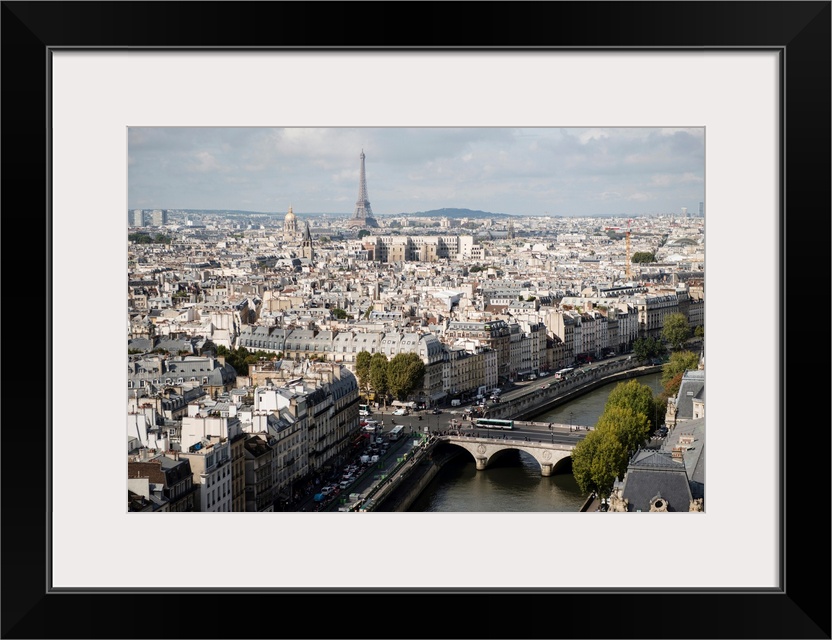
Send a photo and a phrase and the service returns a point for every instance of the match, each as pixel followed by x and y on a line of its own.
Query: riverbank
pixel 414 480
pixel 540 400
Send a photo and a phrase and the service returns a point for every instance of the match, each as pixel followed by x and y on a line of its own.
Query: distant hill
pixel 452 213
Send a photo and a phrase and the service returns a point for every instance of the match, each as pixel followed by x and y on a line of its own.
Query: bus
pixel 560 375
pixel 395 432
pixel 493 423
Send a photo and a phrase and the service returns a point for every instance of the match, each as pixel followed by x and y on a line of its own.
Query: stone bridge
pixel 548 455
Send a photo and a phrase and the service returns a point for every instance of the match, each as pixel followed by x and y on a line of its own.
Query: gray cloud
pixel 528 171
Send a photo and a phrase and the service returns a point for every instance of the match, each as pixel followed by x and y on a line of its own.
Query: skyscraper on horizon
pixel 363 215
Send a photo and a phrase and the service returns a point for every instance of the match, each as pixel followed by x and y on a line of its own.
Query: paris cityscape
pixel 515 323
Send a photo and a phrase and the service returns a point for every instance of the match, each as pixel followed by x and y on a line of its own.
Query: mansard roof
pixel 651 474
pixel 691 388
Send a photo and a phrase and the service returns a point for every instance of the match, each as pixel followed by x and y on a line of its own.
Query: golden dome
pixel 290 216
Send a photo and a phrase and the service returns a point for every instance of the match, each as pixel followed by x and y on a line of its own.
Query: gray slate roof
pixel 692 387
pixel 653 473
pixel 694 455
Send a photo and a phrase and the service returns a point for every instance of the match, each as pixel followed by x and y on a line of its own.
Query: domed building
pixel 290 226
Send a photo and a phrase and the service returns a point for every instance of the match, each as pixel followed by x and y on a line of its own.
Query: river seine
pixel 516 484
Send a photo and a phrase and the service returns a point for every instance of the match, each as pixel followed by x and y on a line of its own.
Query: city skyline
pixel 518 171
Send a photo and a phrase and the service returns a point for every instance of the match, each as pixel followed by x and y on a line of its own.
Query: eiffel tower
pixel 363 215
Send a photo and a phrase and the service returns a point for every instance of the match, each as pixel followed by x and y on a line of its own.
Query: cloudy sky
pixel 525 171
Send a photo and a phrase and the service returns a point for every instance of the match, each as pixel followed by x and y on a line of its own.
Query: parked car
pixel 436 411
pixel 401 411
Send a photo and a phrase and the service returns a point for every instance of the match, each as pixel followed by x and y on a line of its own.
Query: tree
pixel 647 348
pixel 634 396
pixel 671 388
pixel 699 331
pixel 241 358
pixel 378 374
pixel 362 369
pixel 610 462
pixel 679 362
pixel 629 427
pixel 405 374
pixel 643 257
pixel 596 461
pixel 676 330
pixel 621 430
pixel 363 233
pixel 641 349
pixel 582 456
pixel 341 314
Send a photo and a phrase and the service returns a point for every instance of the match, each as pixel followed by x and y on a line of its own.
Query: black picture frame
pixel 800 31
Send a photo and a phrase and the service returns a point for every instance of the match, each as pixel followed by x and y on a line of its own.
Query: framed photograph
pixel 754 76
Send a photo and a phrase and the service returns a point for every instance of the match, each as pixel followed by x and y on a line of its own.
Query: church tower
pixel 307 251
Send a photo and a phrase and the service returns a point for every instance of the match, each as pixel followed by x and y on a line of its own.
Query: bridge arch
pixel 551 457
